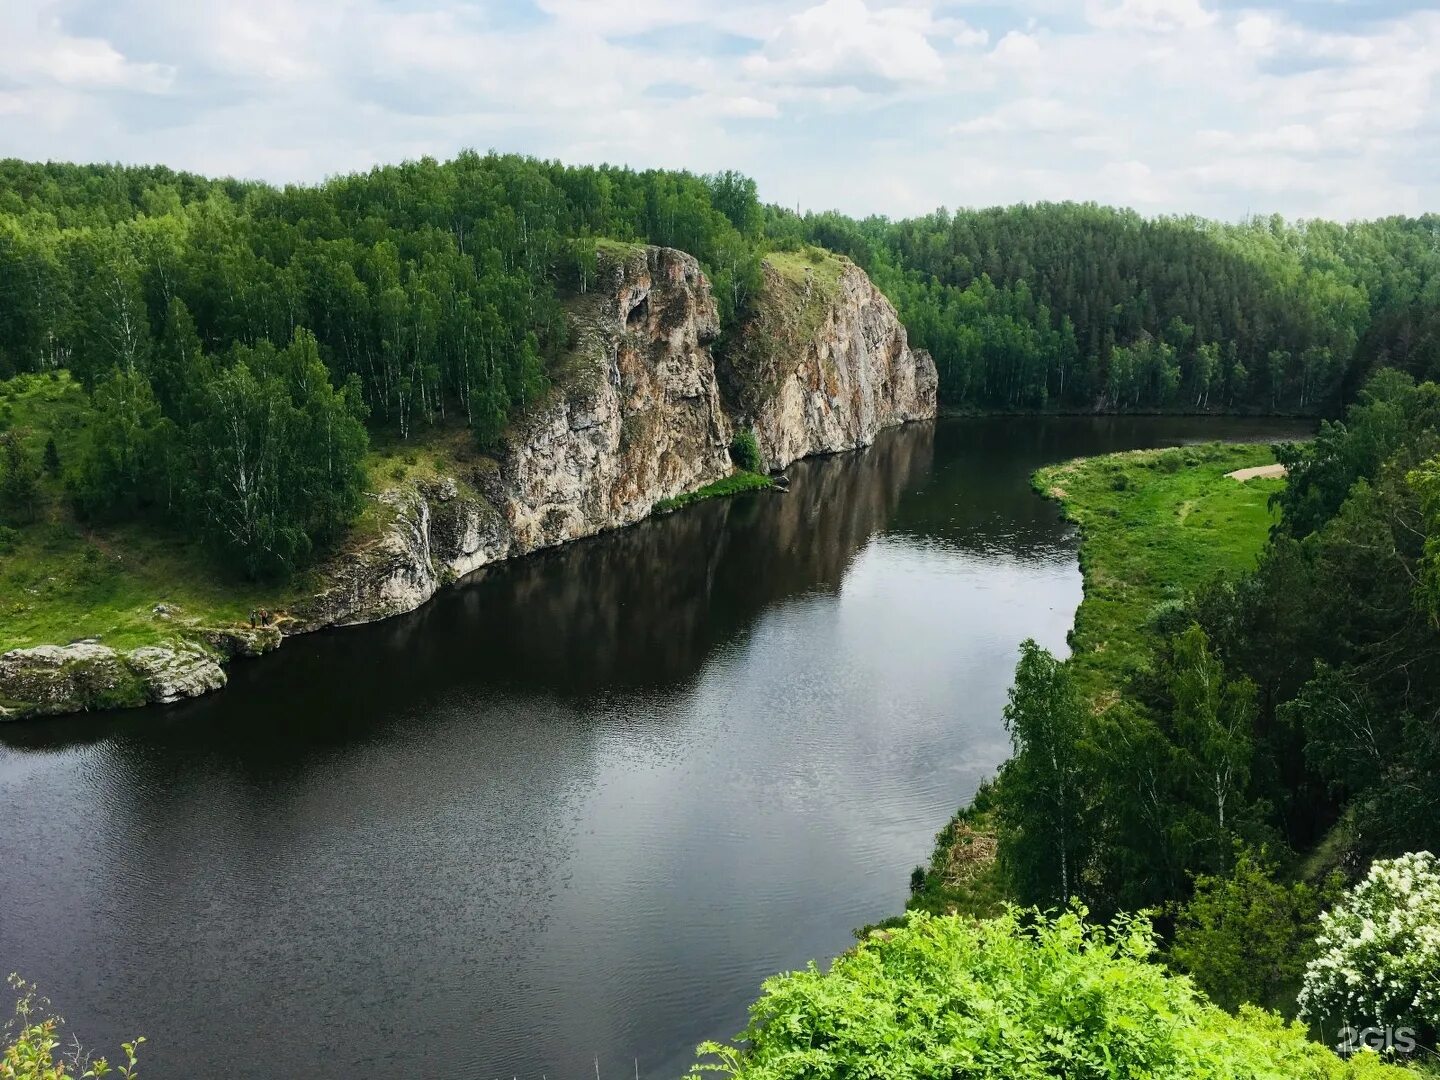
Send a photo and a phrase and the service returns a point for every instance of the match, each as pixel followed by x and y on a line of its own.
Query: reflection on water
pixel 573 810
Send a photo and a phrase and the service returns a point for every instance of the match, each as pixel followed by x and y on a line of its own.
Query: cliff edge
pixel 641 410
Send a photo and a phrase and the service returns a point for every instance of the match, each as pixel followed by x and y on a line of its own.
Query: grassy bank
pixel 1154 525
pixel 730 485
pixel 138 582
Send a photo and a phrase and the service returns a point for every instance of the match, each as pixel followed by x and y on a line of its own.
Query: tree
pixel 1212 719
pixel 51 458
pixel 1044 814
pixel 121 448
pixel 19 478
pixel 277 457
pixel 1244 937
pixel 1377 960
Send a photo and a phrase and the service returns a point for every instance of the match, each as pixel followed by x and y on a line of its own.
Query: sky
pixel 1306 108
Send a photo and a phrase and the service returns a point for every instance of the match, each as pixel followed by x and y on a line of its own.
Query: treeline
pixel 1077 306
pixel 234 335
pixel 431 293
pixel 1284 716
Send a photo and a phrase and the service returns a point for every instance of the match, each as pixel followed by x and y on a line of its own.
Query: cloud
pixel 887 106
pixel 1160 16
pixel 845 43
pixel 1041 115
pixel 965 36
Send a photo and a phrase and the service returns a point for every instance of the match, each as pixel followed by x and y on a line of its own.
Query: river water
pixel 568 815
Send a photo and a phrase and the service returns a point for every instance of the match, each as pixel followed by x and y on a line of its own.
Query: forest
pixel 239 345
pixel 1082 307
pixel 1253 758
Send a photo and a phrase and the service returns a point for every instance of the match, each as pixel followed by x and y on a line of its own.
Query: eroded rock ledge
pixel 636 415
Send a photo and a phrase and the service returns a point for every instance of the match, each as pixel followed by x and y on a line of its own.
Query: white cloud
pixel 1152 15
pixel 1042 115
pixel 890 106
pixel 965 36
pixel 1017 50
pixel 845 43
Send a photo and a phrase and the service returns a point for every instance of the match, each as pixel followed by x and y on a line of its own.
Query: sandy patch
pixel 1261 471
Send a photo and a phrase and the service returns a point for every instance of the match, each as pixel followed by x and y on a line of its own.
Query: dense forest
pixel 239 341
pixel 240 344
pixel 1258 743
pixel 1083 307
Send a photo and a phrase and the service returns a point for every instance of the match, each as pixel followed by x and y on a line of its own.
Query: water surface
pixel 571 812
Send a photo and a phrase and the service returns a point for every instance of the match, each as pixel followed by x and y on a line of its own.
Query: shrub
pixel 30 1041
pixel 1170 461
pixel 949 998
pixel 1245 937
pixel 745 451
pixel 1378 962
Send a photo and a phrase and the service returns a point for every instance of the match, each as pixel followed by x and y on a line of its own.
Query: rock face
pixel 826 364
pixel 640 420
pixel 52 679
pixel 636 415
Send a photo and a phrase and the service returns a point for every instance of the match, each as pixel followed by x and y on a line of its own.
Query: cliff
pixel 635 415
pixel 824 362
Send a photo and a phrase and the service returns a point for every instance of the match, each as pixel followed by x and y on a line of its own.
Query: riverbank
pixel 639 414
pixel 1153 526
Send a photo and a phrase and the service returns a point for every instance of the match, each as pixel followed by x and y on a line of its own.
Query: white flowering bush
pixel 1378 951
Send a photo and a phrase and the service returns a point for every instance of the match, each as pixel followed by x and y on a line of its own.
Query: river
pixel 568 815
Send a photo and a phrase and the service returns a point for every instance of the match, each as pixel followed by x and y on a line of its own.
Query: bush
pixel 745 451
pixel 30 1041
pixel 1245 937
pixel 949 998
pixel 1378 962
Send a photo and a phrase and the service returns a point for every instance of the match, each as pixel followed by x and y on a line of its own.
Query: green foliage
pixel 730 485
pixel 1045 834
pixel 745 451
pixel 1244 937
pixel 1020 997
pixel 31 1045
pixel 1394 421
pixel 1077 306
pixel 19 478
pixel 277 457
pixel 122 453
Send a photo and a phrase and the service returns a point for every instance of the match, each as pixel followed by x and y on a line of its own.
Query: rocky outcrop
pixel 825 364
pixel 640 417
pixel 51 679
pixel 636 415
pixel 171 674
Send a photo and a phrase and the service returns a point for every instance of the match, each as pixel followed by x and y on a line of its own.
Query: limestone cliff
pixel 635 415
pixel 824 364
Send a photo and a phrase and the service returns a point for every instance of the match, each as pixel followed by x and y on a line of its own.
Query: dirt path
pixel 1259 470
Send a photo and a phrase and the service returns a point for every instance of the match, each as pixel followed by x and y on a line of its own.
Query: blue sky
pixel 1313 107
